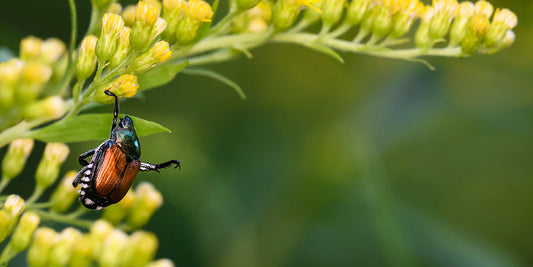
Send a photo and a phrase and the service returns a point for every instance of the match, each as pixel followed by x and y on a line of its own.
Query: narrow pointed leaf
pixel 326 50
pixel 160 75
pixel 218 77
pixel 90 127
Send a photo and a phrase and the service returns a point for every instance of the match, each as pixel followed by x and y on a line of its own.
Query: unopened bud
pixel 503 21
pixel 124 86
pixel 14 204
pixel 148 201
pixel 146 15
pixel 284 15
pixel 82 252
pixel 247 4
pixel 54 155
pixel 61 251
pixel 115 8
pixel 111 255
pixel 356 11
pixel 34 76
pixel 117 212
pixel 196 13
pixel 332 11
pixel 52 107
pixel 475 33
pixel 86 63
pixel 99 232
pixel 122 50
pixel 23 234
pixel 30 48
pixel 9 76
pixel 7 223
pixel 15 158
pixel 382 21
pixel 161 263
pixel 461 23
pixel 422 38
pixel 106 45
pixel 128 14
pixel 64 194
pixel 483 8
pixel 159 53
pixel 38 254
pixel 140 249
pixel 51 50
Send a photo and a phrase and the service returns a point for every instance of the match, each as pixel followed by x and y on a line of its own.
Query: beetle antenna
pixel 115 115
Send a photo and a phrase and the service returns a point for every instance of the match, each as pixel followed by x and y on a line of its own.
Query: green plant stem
pixel 20 130
pixel 38 205
pixel 3 184
pixel 223 24
pixel 35 195
pixel 56 217
pixel 7 255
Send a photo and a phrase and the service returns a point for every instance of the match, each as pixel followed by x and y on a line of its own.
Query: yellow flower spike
pixel 86 63
pixel 30 48
pixel 503 21
pixel 51 50
pixel 461 23
pixel 483 8
pixel 112 25
pixel 199 10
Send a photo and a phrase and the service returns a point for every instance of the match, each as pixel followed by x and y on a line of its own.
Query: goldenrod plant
pixel 133 48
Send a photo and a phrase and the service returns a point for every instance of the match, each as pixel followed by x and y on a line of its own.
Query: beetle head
pixel 126 137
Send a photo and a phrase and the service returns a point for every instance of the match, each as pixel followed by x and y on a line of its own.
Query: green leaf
pixel 326 50
pixel 160 75
pixel 90 127
pixel 219 77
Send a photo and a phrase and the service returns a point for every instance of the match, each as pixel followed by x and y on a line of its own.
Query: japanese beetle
pixel 108 177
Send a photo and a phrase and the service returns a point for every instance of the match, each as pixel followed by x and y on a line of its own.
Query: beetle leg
pixel 155 167
pixel 115 114
pixel 78 177
pixel 82 157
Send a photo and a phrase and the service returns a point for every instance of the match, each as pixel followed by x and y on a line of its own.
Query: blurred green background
pixel 374 162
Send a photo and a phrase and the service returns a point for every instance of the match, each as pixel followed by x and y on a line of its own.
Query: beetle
pixel 106 179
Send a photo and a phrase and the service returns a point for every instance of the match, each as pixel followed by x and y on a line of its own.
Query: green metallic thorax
pixel 124 135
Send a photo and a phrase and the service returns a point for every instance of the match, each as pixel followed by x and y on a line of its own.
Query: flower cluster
pixel 103 244
pixel 27 82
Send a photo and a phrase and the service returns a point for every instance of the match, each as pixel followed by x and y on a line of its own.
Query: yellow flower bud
pixel 39 252
pixel 34 76
pixel 14 204
pixel 61 251
pixel 159 53
pixel 123 48
pixel 161 263
pixel 332 11
pixel 129 15
pixel 15 158
pixel 52 107
pixel 357 11
pixel 381 21
pixel 115 8
pixel 422 38
pixel 404 18
pixel 146 15
pixel 461 23
pixel 475 33
pixel 86 63
pixel 111 254
pixel 124 86
pixel 82 252
pixel 64 194
pixel 112 25
pixel 100 230
pixel 445 11
pixel 23 234
pixel 286 11
pixel 148 201
pixel 503 21
pixel 173 10
pixel 51 50
pixel 7 223
pixel 116 213
pixel 30 48
pixel 9 76
pixel 196 13
pixel 247 4
pixel 140 249
pixel 54 155
pixel 483 8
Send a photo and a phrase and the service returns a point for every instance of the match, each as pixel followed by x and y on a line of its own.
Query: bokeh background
pixel 374 162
